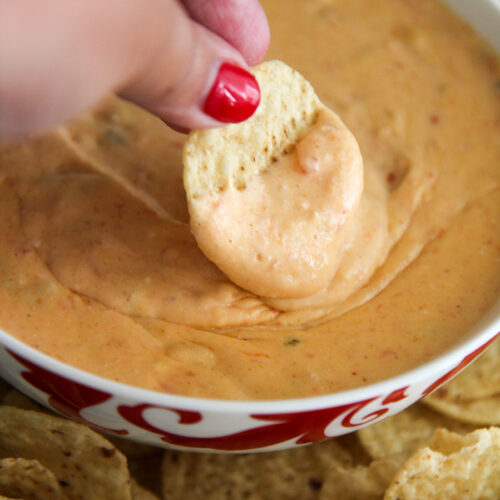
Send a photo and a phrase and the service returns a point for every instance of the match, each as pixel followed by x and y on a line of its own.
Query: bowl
pixel 196 424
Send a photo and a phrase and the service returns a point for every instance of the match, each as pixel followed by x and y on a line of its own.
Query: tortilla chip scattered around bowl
pixel 402 434
pixel 85 464
pixel 298 473
pixel 452 467
pixel 484 411
pixel 360 482
pixel 479 380
pixel 29 480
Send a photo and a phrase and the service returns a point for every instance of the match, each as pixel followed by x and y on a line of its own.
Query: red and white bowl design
pixel 226 426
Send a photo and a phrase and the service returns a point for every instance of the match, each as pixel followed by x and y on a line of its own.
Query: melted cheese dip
pixel 98 267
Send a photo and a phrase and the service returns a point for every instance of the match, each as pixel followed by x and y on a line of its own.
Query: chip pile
pixel 446 447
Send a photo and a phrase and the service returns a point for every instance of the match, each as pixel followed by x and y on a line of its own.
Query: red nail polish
pixel 234 96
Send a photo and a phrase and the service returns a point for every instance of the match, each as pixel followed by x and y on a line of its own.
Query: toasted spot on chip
pixel 451 467
pixel 73 452
pixel 29 480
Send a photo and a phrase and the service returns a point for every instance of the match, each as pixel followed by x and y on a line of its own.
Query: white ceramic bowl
pixel 233 426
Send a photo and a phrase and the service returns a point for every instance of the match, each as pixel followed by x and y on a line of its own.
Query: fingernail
pixel 234 96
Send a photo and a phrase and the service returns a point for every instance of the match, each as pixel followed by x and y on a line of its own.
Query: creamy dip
pixel 284 234
pixel 98 266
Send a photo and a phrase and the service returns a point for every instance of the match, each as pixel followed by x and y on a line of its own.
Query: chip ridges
pixel 231 155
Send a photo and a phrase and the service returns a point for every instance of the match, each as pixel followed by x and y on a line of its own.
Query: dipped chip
pixel 270 199
pixel 451 467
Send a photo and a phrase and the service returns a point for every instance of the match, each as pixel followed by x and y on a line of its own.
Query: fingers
pixel 194 79
pixel 58 58
pixel 242 23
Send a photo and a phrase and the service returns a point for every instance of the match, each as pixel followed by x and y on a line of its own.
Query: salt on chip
pixel 28 479
pixel 84 462
pixel 451 467
pixel 290 474
pixel 483 411
pixel 402 434
pixel 362 482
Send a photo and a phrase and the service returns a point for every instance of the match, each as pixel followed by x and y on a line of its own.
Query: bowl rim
pixel 486 329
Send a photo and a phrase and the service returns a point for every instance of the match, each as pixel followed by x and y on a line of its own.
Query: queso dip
pixel 99 269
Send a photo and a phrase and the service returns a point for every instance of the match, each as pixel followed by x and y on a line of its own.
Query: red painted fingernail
pixel 234 96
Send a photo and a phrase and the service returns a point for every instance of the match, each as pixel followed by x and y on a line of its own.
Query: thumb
pixel 191 77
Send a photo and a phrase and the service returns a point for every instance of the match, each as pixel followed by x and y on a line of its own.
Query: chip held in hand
pixel 270 199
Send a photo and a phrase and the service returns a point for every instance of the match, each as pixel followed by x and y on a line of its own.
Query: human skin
pixel 58 58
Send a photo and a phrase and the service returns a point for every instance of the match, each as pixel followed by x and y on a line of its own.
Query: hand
pixel 186 61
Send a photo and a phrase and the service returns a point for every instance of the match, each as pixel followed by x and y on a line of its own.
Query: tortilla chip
pixel 85 464
pixel 28 479
pixel 235 153
pixel 452 467
pixel 485 411
pixel 479 380
pixel 399 436
pixel 298 473
pixel 140 493
pixel 129 448
pixel 359 482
